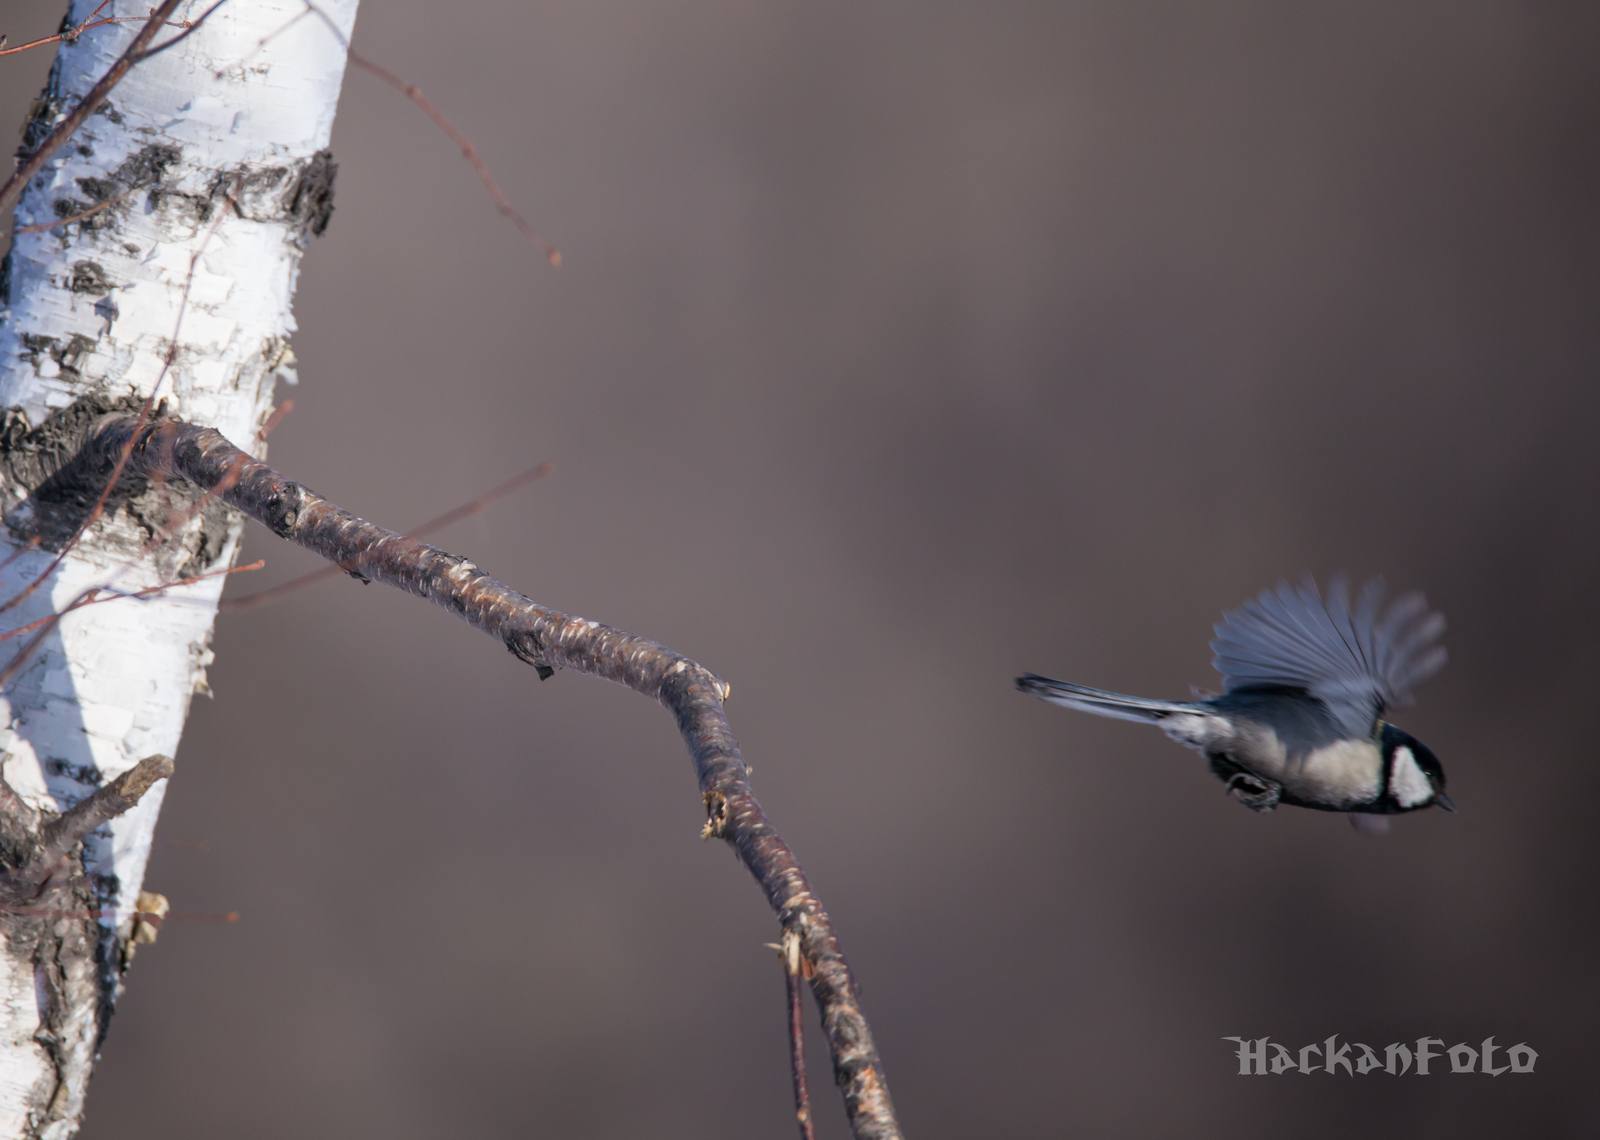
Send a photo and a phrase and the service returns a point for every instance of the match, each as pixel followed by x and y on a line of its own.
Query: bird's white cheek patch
pixel 1408 783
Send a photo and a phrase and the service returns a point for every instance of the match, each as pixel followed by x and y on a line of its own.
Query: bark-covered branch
pixel 55 920
pixel 41 849
pixel 550 640
pixel 102 805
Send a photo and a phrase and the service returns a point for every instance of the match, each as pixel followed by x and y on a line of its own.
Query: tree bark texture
pixel 548 640
pixel 155 254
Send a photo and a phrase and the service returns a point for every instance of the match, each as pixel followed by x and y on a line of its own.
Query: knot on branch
pixel 525 646
pixel 716 816
pixel 281 509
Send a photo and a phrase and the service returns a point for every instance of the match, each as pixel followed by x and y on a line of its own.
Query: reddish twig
pixel 470 152
pixel 31 544
pixel 91 597
pixel 412 92
pixel 322 574
pixel 189 28
pixel 793 974
pixel 274 420
pixel 548 639
pixel 87 26
pixel 90 21
pixel 89 213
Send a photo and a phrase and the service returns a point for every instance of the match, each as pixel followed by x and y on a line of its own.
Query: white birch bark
pixel 87 313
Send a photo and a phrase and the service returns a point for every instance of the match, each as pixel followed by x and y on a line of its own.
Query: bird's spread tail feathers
pixel 1099 701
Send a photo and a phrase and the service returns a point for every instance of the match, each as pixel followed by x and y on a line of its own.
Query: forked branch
pixel 550 640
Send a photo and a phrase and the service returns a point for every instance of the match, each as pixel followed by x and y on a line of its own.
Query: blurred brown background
pixel 899 348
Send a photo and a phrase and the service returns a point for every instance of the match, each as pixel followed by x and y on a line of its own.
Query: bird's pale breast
pixel 1345 773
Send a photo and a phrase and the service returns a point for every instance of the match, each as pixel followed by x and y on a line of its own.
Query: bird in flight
pixel 1307 682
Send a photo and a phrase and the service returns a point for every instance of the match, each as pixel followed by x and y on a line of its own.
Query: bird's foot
pixel 1254 792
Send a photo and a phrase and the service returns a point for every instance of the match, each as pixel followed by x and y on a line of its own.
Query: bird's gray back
pixel 1301 722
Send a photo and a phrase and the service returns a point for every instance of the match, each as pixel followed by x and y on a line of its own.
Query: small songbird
pixel 1301 721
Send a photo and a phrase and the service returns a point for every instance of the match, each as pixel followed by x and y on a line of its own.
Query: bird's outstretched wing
pixel 1356 661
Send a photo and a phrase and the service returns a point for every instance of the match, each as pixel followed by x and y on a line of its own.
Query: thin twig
pixel 31 544
pixel 323 573
pixel 89 213
pixel 89 21
pixel 470 152
pixel 411 92
pixel 548 639
pixel 91 597
pixel 189 29
pixel 792 977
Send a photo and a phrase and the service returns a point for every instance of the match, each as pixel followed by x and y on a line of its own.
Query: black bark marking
pixel 49 481
pixel 89 277
pixel 311 204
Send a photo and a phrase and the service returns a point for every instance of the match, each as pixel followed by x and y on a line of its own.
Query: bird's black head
pixel 1413 777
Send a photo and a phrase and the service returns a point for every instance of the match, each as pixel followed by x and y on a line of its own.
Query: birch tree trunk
pixel 213 157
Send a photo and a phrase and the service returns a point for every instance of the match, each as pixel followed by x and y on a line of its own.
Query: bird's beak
pixel 1442 800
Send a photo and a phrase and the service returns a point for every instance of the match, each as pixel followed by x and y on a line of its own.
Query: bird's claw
pixel 1254 792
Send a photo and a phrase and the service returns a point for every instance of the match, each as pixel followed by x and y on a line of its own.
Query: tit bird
pixel 1301 722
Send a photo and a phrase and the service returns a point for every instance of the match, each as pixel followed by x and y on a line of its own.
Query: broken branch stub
pixel 550 640
pixel 102 805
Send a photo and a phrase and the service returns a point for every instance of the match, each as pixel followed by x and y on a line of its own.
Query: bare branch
pixel 102 805
pixel 293 585
pixel 548 639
